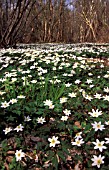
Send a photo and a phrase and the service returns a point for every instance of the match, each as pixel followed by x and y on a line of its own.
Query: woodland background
pixel 54 21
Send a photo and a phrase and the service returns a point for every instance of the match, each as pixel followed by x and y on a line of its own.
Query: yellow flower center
pixel 99 144
pixel 53 141
pixel 99 162
pixel 98 126
pixel 94 114
pixel 77 134
pixel 78 142
pixel 19 155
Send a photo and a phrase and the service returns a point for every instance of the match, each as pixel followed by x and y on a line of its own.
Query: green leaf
pixel 61 126
pixel 75 127
pixel 55 162
pixel 11 118
pixel 107 153
pixel 51 155
pixel 65 148
pixel 18 112
pixel 61 155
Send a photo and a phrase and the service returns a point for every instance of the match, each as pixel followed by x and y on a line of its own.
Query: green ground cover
pixel 54 109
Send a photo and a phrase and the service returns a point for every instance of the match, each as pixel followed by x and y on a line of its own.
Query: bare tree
pixel 12 20
pixel 31 21
pixel 92 17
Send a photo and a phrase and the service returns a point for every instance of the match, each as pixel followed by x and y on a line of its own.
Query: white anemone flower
pixel 106 97
pixel 107 122
pixel 7 130
pixel 67 112
pixel 63 99
pixel 27 119
pixel 64 118
pixel 77 81
pixel 95 113
pixel 97 126
pixel 4 104
pixel 72 94
pixel 106 89
pixel 97 161
pixel 12 101
pixel 78 135
pixel 89 81
pixel 51 106
pixel 19 128
pixel 48 103
pixel 78 142
pixel 107 140
pixel 88 97
pixel 68 84
pixel 99 145
pixel 1 93
pixel 19 155
pixel 97 96
pixel 21 97
pixel 53 141
pixel 41 120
